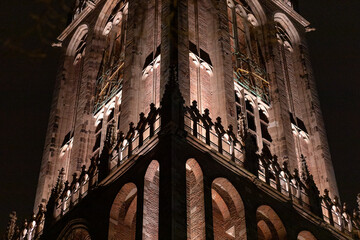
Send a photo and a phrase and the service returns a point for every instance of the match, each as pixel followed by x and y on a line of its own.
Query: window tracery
pixel 283 37
pixel 247 57
pixel 110 76
pixel 252 116
pixel 80 49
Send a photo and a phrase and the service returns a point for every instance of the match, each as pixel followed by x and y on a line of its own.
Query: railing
pixel 121 154
pixel 225 142
pixel 115 153
pixel 279 178
pixel 299 189
pixel 337 215
pixel 33 229
pixel 74 193
pixel 219 142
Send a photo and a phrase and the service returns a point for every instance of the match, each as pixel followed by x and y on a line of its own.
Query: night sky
pixel 28 67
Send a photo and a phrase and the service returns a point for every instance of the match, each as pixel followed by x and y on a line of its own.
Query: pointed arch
pixel 105 14
pixel 306 235
pixel 228 211
pixel 288 26
pixel 269 225
pixel 122 223
pixel 195 201
pixel 78 36
pixel 255 7
pixel 151 202
pixel 78 234
pixel 111 27
pixel 75 230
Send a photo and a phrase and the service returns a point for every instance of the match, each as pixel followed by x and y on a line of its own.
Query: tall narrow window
pixel 286 55
pixel 250 77
pixel 110 76
pixel 250 116
pixel 264 124
pixel 247 57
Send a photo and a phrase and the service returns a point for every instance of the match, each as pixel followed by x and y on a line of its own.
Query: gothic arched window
pixel 247 58
pixel 80 49
pixel 110 76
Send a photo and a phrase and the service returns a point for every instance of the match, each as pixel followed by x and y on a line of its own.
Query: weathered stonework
pixel 179 172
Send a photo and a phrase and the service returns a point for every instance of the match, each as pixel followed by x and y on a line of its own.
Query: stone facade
pixel 180 173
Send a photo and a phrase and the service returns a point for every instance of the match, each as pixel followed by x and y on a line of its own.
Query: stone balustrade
pixel 298 186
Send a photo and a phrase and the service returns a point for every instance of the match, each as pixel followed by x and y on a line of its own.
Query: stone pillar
pixel 209 229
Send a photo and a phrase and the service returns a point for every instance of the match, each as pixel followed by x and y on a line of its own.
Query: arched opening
pixel 290 54
pixel 269 225
pixel 122 223
pixel 195 201
pixel 75 231
pixel 228 211
pixel 248 59
pixel 110 75
pixel 306 235
pixel 151 202
pixel 69 97
pixel 77 234
pixel 78 41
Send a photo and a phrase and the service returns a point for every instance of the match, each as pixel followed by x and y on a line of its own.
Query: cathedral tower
pixel 189 119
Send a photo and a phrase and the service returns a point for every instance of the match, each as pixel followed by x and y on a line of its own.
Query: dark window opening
pixel 118 122
pixel 148 60
pixel 251 122
pixel 263 116
pixel 99 126
pixel 237 98
pixel 238 111
pixel 301 125
pixel 249 107
pixel 97 142
pixel 265 133
pixel 67 138
pixel 205 56
pixel 111 115
pixel 193 48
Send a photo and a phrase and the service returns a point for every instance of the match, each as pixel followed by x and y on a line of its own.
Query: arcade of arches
pixel 227 209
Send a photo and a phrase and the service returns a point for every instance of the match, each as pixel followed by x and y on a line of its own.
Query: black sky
pixel 28 67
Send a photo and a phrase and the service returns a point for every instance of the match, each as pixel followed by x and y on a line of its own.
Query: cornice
pixel 76 22
pixel 291 12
